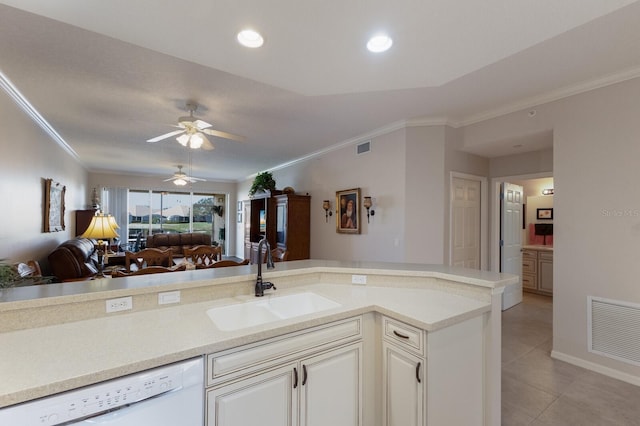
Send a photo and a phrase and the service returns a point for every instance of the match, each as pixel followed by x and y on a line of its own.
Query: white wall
pixel 597 207
pixel 29 156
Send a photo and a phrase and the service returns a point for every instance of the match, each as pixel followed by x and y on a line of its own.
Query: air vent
pixel 363 148
pixel 614 329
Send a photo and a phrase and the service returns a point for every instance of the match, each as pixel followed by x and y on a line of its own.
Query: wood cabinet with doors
pixel 537 270
pixel 308 378
pixel 285 221
pixel 83 219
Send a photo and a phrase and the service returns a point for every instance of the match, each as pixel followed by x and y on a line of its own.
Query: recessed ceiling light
pixel 379 43
pixel 250 38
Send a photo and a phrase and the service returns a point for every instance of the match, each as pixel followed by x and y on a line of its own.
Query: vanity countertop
pixel 538 247
pixel 44 360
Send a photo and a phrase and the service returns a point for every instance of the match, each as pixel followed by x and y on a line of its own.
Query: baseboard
pixel 607 371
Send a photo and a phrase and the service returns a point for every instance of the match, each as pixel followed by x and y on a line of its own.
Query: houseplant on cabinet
pixel 263 182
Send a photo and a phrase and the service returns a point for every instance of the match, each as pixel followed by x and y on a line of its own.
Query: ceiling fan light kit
pixel 192 132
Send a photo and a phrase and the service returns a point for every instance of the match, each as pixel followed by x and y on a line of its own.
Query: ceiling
pixel 107 76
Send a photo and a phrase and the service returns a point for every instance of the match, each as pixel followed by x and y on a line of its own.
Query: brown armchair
pixel 74 260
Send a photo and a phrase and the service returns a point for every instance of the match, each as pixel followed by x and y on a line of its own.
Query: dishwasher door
pixel 165 396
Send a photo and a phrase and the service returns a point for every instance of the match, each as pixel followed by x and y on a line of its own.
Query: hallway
pixel 540 391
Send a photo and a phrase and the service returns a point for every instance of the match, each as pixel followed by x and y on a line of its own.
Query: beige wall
pixel 28 157
pixel 378 173
pixel 596 206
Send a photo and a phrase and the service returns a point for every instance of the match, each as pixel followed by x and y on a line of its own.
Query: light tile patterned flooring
pixel 540 391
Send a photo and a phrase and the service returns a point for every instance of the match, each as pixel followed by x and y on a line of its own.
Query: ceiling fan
pixel 180 178
pixel 192 132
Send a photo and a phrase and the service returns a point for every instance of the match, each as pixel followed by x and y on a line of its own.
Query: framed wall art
pixel 348 206
pixel 53 206
pixel 544 214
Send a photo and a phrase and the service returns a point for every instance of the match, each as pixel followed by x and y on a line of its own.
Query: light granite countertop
pixel 538 247
pixel 40 361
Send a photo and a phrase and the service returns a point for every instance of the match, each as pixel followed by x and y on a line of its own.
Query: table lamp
pixel 101 228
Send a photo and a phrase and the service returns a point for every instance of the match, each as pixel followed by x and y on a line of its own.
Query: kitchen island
pixel 61 335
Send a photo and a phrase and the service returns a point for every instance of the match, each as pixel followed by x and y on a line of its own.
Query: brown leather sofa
pixel 177 242
pixel 74 259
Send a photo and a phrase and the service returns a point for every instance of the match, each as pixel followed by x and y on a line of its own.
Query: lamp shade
pixel 101 228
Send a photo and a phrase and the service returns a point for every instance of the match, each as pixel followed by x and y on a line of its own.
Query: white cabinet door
pixel 403 387
pixel 331 388
pixel 268 399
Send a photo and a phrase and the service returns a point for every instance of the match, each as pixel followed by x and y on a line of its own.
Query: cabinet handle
pixel 418 372
pixel 295 377
pixel 304 374
pixel 402 336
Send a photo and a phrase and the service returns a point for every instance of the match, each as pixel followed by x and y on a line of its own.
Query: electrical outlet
pixel 358 279
pixel 119 304
pixel 169 297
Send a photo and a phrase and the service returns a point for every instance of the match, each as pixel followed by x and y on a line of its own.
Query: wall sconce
pixel 326 205
pixel 548 191
pixel 367 204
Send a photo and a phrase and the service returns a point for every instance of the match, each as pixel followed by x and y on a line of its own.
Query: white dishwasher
pixel 165 396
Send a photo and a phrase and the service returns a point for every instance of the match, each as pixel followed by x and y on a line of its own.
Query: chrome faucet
pixel 262 286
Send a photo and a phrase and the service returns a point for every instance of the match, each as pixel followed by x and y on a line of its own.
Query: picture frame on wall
pixel 54 193
pixel 348 206
pixel 544 214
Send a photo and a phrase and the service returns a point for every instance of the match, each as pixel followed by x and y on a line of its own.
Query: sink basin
pixel 268 309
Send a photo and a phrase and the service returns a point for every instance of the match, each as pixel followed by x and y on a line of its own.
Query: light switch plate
pixel 358 279
pixel 168 297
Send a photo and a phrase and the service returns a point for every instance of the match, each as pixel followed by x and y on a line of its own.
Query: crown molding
pixel 29 109
pixel 554 95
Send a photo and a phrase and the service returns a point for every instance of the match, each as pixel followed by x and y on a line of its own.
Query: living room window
pixel 152 212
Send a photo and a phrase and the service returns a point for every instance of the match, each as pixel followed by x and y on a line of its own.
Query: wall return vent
pixel 363 148
pixel 614 329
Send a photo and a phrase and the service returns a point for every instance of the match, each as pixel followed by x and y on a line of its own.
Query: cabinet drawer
pixel 245 359
pixel 529 254
pixel 529 266
pixel 546 255
pixel 403 334
pixel 529 281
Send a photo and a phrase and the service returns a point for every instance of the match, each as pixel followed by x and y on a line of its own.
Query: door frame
pixel 484 217
pixel 495 212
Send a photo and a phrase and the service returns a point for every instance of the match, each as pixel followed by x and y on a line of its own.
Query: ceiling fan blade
pixel 201 124
pixel 170 179
pixel 225 135
pixel 194 179
pixel 206 143
pixel 165 136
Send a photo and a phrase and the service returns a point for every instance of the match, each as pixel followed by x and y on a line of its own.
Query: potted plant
pixel 263 182
pixel 8 275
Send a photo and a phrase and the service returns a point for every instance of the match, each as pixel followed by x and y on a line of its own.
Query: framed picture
pixel 53 206
pixel 348 206
pixel 544 214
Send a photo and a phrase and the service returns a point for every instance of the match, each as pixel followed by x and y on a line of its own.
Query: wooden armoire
pixel 284 219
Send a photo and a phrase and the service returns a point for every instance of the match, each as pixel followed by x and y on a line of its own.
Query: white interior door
pixel 511 240
pixel 465 223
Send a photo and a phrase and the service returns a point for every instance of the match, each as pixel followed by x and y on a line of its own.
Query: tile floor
pixel 540 391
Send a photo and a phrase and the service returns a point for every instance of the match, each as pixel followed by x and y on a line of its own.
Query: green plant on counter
pixel 8 275
pixel 263 182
